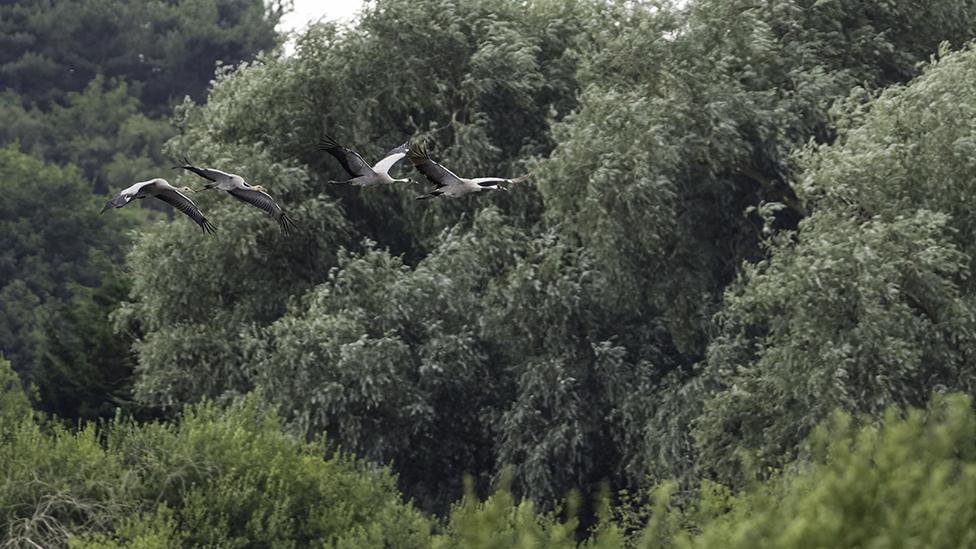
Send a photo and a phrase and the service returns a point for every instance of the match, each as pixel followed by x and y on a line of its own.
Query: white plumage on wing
pixel 448 183
pixel 360 173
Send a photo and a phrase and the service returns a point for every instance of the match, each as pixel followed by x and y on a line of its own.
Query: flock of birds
pixel 360 173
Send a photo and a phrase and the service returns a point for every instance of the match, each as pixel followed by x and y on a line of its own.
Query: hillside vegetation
pixel 731 306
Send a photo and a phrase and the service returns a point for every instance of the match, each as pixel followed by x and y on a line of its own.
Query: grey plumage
pixel 161 189
pixel 235 185
pixel 360 173
pixel 448 183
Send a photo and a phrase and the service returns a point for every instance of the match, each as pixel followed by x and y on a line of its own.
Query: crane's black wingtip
pixel 326 143
pixel 287 225
pixel 417 153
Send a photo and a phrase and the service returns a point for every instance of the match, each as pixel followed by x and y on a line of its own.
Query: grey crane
pixel 360 173
pixel 449 184
pixel 161 189
pixel 235 185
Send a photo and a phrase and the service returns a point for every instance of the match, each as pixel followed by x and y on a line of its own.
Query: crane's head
pixel 259 188
pixel 187 190
pixel 116 202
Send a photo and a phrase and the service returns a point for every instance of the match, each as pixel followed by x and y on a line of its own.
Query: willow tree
pixel 556 328
pixel 870 302
pixel 481 93
pixel 680 160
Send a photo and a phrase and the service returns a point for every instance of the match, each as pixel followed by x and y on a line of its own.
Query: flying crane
pixel 235 185
pixel 161 189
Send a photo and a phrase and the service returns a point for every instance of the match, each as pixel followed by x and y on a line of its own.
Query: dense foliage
pixel 168 49
pixel 739 267
pixel 58 284
pixel 91 84
pixel 567 328
pixel 234 478
pixel 870 302
pixel 211 478
pixel 907 481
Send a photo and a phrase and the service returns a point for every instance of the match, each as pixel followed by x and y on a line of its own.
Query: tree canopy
pixel 591 325
pixel 738 269
pixel 168 49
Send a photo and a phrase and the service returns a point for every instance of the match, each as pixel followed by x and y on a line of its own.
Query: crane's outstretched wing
pixel 391 158
pixel 350 160
pixel 264 201
pixel 434 172
pixel 180 201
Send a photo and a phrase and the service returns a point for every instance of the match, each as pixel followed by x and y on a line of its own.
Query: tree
pixel 481 90
pixel 81 365
pixel 907 476
pixel 100 130
pixel 209 338
pixel 166 49
pixel 689 118
pixel 573 319
pixel 868 482
pixel 87 83
pixel 14 407
pixel 687 126
pixel 56 252
pixel 870 303
pixel 216 476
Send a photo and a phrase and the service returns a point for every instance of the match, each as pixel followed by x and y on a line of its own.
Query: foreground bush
pixel 908 481
pixel 214 478
pixel 234 478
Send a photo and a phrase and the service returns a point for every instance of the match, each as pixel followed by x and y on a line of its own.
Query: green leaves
pixel 215 477
pixel 54 249
pixel 869 303
pixel 695 276
pixel 856 316
pixel 14 407
pixel 909 478
pixel 168 48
